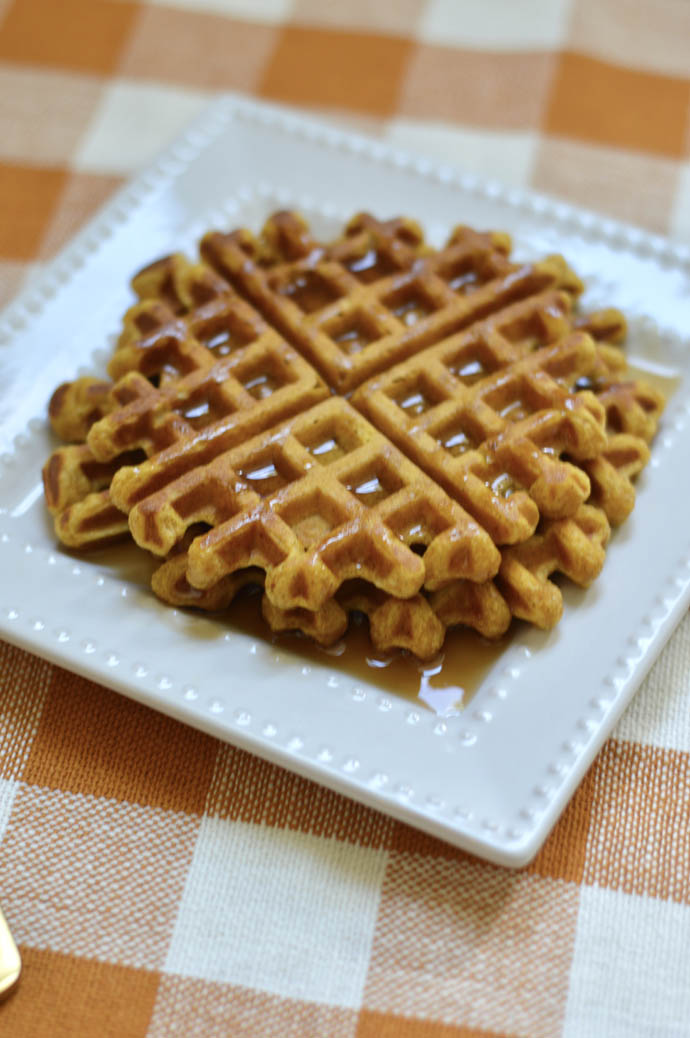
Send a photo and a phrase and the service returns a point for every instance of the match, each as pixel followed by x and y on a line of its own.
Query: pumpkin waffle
pixel 378 294
pixel 633 409
pixel 205 369
pixel 573 547
pixel 317 501
pixel 450 493
pixel 513 470
pixel 394 623
pixel 522 588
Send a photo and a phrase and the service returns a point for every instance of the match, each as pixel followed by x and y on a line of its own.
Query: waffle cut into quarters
pixel 369 424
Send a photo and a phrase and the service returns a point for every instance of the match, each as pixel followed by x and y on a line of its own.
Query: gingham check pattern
pixel 160 883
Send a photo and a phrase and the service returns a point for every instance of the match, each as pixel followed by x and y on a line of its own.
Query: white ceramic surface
pixel 492 778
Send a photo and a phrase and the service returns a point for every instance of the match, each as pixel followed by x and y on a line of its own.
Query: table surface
pixel 159 882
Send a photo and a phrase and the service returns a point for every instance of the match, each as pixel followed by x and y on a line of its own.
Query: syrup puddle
pixel 445 684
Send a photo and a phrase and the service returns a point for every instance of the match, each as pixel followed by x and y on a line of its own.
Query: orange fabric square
pixel 400 18
pixel 385 1025
pixel 29 196
pixel 111 747
pixel 247 789
pixel 337 69
pixel 494 91
pixel 408 840
pixel 77 34
pixel 60 995
pixel 197 49
pixel 625 108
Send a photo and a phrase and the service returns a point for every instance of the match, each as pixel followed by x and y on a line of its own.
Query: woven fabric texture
pixel 161 883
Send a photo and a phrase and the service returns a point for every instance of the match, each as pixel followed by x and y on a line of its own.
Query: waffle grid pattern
pixel 506 417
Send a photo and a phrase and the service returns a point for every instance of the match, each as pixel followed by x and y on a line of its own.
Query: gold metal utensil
pixel 10 963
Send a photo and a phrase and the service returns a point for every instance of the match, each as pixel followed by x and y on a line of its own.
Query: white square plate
pixel 491 778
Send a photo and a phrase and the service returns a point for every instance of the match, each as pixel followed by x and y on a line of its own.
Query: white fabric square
pixel 250 10
pixel 8 791
pixel 502 156
pixel 630 976
pixel 278 911
pixel 133 122
pixel 633 33
pixel 659 714
pixel 499 25
pixel 680 216
pixel 81 875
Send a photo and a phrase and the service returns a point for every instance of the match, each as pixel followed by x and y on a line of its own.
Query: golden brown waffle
pixel 320 500
pixel 394 623
pixel 76 482
pixel 512 470
pixel 489 412
pixel 377 295
pixel 208 370
pixel 75 406
pixel 633 409
pixel 522 588
pixel 573 546
pixel 171 585
pixel 494 413
pixel 77 494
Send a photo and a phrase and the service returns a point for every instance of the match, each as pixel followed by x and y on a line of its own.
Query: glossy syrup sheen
pixel 444 684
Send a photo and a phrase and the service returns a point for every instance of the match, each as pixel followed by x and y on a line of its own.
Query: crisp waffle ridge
pixel 379 294
pixel 195 364
pixel 320 500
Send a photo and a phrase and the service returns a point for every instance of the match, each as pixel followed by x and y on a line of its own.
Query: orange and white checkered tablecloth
pixel 161 883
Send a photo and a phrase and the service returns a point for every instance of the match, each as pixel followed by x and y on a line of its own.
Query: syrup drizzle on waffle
pixel 367 426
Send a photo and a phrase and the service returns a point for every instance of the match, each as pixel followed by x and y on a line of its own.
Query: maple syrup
pixel 444 684
pixel 309 290
pixel 371 266
pixel 353 332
